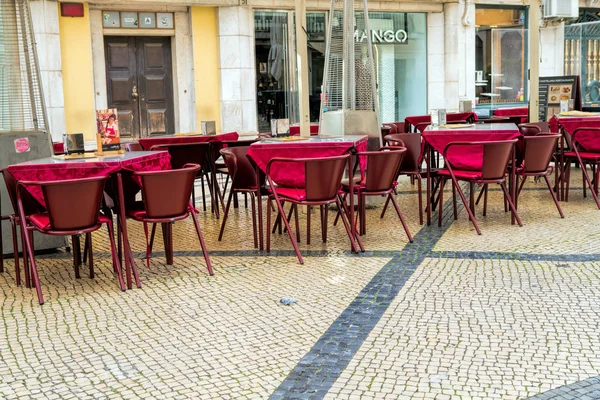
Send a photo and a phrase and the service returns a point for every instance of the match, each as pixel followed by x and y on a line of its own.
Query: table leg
pixel 429 202
pixel 129 262
pixel 260 212
pixel 512 177
pixel 167 231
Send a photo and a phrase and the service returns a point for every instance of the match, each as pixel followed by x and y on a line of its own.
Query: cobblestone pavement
pixel 510 314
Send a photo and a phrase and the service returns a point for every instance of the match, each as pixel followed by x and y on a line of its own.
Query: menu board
pixel 553 89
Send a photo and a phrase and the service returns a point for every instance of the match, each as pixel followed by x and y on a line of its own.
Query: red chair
pixel 496 155
pixel 192 153
pixel 411 163
pixel 382 171
pixel 133 146
pixel 67 218
pixel 166 199
pixel 538 151
pixel 243 180
pixel 323 177
pixel 585 149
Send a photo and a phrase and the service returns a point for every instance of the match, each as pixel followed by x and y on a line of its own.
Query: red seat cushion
pixel 136 210
pixel 291 193
pixel 584 155
pixel 42 221
pixel 462 174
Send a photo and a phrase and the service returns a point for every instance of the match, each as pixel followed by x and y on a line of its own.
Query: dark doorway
pixel 140 84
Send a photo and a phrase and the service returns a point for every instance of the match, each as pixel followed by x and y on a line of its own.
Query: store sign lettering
pixel 381 36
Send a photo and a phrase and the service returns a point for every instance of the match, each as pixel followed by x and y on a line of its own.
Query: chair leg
pixel 385 206
pixel 420 194
pixel 587 179
pixel 583 166
pixel 148 251
pixel 510 203
pixel 31 257
pixel 568 179
pixel 472 197
pixel 88 242
pixel 166 242
pixel 194 193
pixel 152 234
pixel 338 214
pixel 225 214
pixel 13 226
pixel 295 206
pixel 26 266
pixel 269 205
pixel 246 200
pixel 85 250
pixel 254 228
pixel 76 255
pixel 289 231
pixel 202 244
pixel 363 216
pixel 119 241
pixel 464 201
pixel 203 191
pixel 308 211
pixel 480 195
pixel 410 239
pixel 441 199
pixel 355 239
pixel 343 215
pixel 485 199
pixel 115 259
pixel 454 205
pixel 554 197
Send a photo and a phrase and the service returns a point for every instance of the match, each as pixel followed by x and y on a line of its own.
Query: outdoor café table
pixel 518 113
pixel 464 158
pixel 54 169
pixel 149 142
pixel 416 123
pixel 566 125
pixel 314 147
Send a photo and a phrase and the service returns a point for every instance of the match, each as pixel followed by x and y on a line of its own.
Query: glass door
pixel 276 83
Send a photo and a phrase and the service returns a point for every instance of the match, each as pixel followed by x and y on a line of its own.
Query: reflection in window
pixel 501 61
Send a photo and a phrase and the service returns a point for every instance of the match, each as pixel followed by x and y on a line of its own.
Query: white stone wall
pixel 237 69
pixel 183 76
pixel 44 15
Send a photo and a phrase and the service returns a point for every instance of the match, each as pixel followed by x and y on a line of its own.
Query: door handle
pixel 134 93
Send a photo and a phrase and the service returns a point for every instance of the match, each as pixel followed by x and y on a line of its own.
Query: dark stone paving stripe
pixel 322 365
pixel 588 389
pixel 491 255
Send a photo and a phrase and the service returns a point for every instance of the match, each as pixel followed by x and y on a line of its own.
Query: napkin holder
pixel 465 106
pixel 438 117
pixel 208 128
pixel 73 143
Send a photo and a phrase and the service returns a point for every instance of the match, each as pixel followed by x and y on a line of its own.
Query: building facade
pixel 168 65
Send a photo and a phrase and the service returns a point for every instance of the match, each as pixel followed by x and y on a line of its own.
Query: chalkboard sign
pixel 553 89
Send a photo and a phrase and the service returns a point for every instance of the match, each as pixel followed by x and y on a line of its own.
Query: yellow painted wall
pixel 78 80
pixel 206 64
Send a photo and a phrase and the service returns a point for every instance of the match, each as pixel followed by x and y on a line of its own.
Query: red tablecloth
pixel 52 169
pixel 295 130
pixel 522 112
pixel 293 175
pixel 147 143
pixel 467 158
pixel 569 124
pixel 414 120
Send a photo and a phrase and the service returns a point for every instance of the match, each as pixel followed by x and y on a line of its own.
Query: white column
pixel 237 69
pixel 534 60
pixel 302 63
pixel 436 71
pixel 44 14
pixel 183 75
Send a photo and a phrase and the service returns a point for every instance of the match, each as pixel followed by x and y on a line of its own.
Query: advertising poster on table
pixel 553 89
pixel 108 135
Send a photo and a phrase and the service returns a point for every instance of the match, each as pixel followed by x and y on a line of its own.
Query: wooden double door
pixel 140 84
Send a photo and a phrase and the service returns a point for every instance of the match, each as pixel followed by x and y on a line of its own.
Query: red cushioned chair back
pixel 133 146
pixel 495 159
pixel 412 142
pixel 166 194
pixel 538 152
pixel 324 177
pixel 529 129
pixel 382 168
pixel 73 204
pixel 239 167
pixel 587 139
pixel 30 206
pixel 185 153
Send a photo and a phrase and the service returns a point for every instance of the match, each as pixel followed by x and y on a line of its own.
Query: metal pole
pixel 534 60
pixel 302 65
